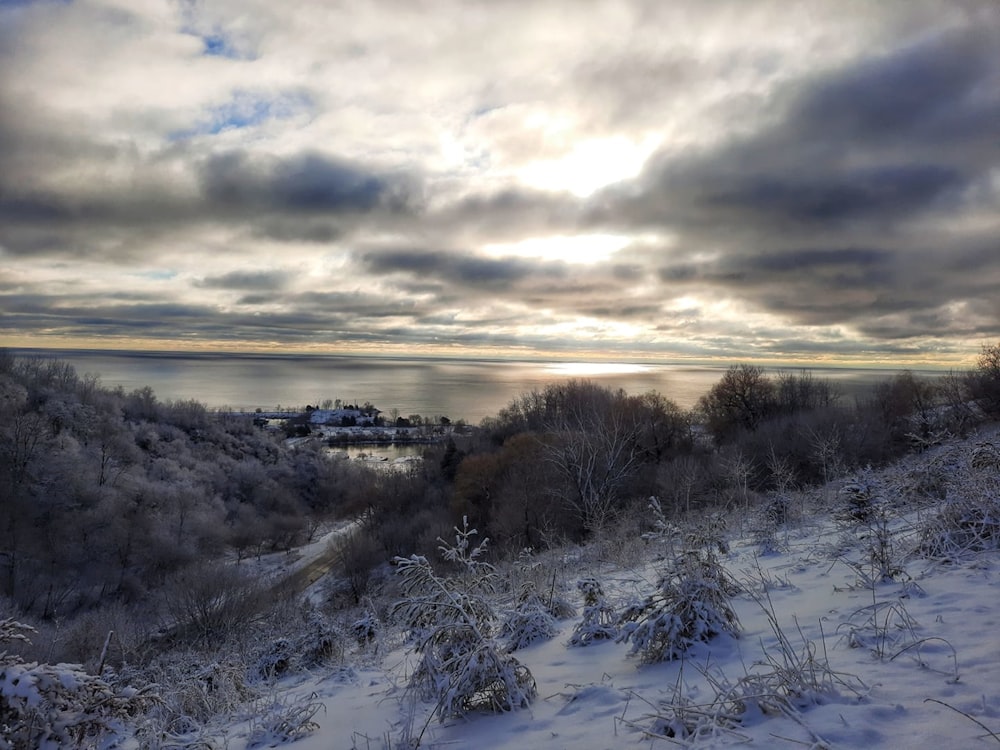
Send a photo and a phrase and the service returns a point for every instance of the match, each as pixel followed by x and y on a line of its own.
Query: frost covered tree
pixel 462 667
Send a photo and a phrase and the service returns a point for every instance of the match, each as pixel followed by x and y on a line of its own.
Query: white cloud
pixel 644 156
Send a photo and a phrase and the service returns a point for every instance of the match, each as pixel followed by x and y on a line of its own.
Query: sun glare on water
pixel 589 369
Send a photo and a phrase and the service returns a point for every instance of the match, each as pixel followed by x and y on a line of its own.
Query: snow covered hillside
pixel 865 614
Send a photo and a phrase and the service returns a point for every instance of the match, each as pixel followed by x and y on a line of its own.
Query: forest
pixel 130 526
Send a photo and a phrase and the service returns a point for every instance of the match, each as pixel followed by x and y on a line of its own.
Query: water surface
pixel 468 389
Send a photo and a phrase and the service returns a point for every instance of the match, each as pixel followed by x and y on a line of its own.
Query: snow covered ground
pixel 908 662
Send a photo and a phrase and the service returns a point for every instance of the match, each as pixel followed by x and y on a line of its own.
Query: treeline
pixel 111 496
pixel 566 462
pixel 108 494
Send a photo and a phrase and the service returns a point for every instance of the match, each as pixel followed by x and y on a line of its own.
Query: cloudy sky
pixel 688 179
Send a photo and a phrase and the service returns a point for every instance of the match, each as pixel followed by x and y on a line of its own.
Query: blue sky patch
pixel 246 110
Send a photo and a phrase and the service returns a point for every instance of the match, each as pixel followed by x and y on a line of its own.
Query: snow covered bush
pixel 275 721
pixel 530 621
pixel 599 621
pixel 309 642
pixel 214 603
pixel 544 578
pixel 985 457
pixel 50 706
pixel 875 521
pixel 788 677
pixel 767 521
pixel 365 629
pixel 691 604
pixel 966 523
pixel 858 498
pixel 462 666
pixel 195 691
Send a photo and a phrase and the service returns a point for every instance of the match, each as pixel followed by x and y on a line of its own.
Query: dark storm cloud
pixel 816 215
pixel 933 92
pixel 871 193
pixel 307 197
pixel 459 268
pixel 840 150
pixel 318 315
pixel 250 280
pixel 305 183
pixel 317 230
pixel 504 215
pixel 357 304
pixel 621 311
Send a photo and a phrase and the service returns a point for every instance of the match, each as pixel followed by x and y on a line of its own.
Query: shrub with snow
pixel 968 522
pixel 875 520
pixel 49 706
pixel 599 621
pixel 462 666
pixel 692 602
pixel 530 621
pixel 275 721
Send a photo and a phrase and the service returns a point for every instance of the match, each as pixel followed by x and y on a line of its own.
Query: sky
pixel 749 180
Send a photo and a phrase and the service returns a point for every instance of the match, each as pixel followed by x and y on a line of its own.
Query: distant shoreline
pixel 459 388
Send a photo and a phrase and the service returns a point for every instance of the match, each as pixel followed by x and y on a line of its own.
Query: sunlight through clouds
pixel 653 179
pixel 582 248
pixel 590 165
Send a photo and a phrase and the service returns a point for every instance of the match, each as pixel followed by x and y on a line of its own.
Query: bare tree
pixel 742 399
pixel 594 445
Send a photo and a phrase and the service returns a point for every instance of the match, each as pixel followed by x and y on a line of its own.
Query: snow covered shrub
pixel 274 660
pixel 786 680
pixel 692 602
pixel 882 627
pixel 310 641
pixel 212 604
pixel 767 522
pixel 965 524
pixel 985 457
pixel 599 621
pixel 874 521
pixel 788 677
pixel 858 499
pixel 50 706
pixel 195 692
pixel 321 643
pixel 365 629
pixel 529 621
pixel 545 583
pixel 462 666
pixel 276 721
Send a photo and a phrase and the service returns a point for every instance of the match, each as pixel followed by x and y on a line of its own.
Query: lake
pixel 468 389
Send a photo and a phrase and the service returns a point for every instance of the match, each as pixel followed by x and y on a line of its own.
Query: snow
pixel 275 565
pixel 897 662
